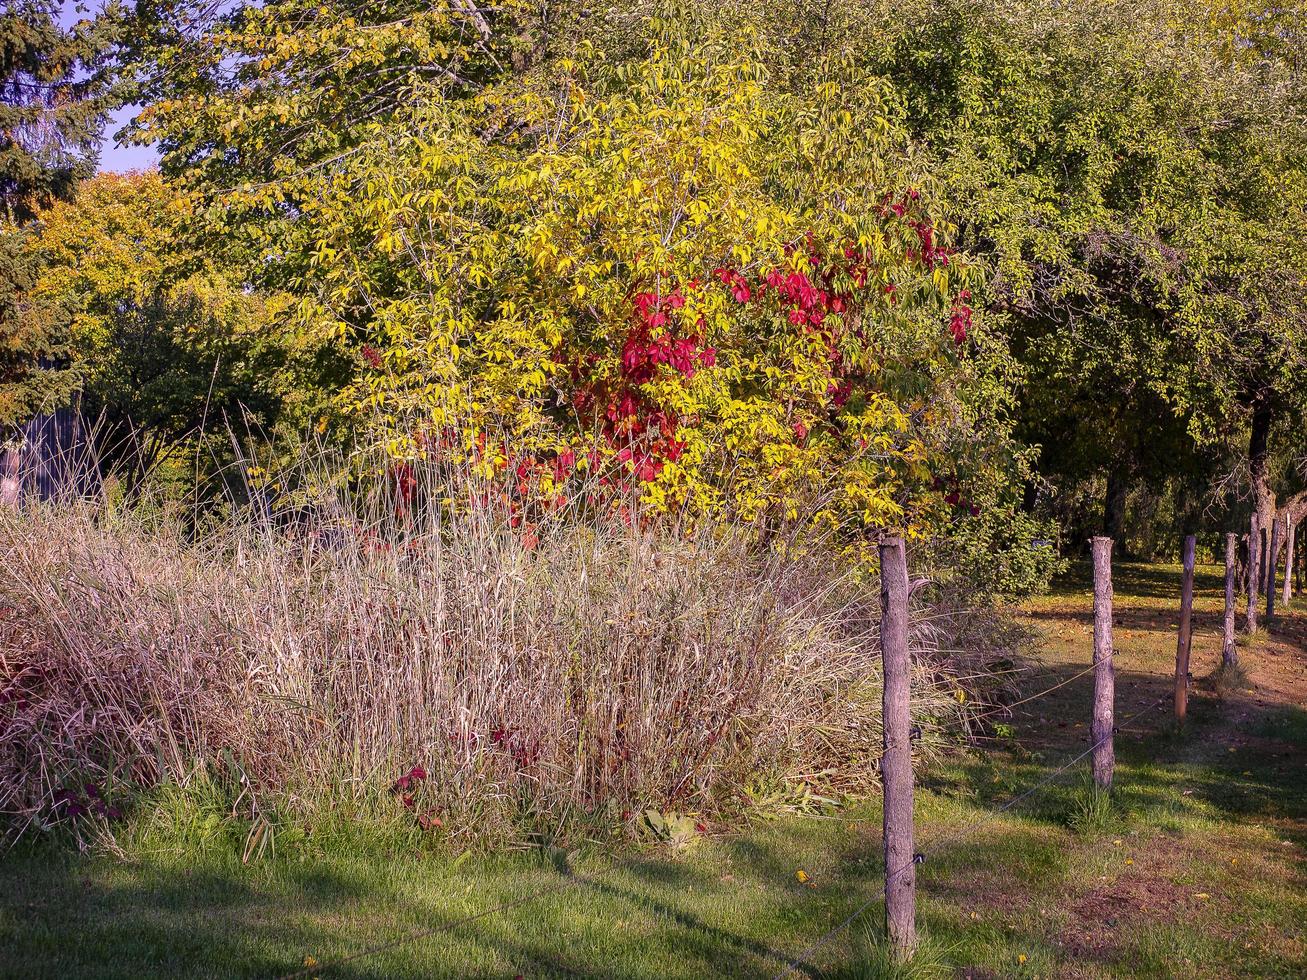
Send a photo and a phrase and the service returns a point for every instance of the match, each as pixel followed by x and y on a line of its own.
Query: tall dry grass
pixel 542 680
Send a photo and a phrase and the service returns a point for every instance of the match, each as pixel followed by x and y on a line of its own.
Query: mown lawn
pixel 1196 869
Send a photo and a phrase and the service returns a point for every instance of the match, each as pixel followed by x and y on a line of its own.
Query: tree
pixel 164 346
pixel 54 86
pixel 1248 335
pixel 708 275
pixel 1131 173
pixel 554 240
pixel 261 100
pixel 51 114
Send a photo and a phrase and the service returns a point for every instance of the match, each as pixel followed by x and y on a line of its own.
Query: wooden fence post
pixel 1184 640
pixel 1229 652
pixel 1254 572
pixel 1271 555
pixel 896 763
pixel 1291 530
pixel 1104 757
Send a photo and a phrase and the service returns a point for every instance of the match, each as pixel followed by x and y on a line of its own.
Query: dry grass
pixel 546 681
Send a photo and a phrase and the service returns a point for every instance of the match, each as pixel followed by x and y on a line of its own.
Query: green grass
pixel 1194 866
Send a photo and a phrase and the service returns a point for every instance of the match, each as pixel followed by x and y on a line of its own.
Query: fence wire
pixel 798 962
pixel 965 831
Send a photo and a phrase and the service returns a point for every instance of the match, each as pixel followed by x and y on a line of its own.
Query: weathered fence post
pixel 1184 640
pixel 1271 555
pixel 1229 652
pixel 1254 572
pixel 896 763
pixel 1104 681
pixel 1291 530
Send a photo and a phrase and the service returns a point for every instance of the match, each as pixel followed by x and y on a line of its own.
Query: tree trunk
pixel 1297 570
pixel 1104 755
pixel 1186 631
pixel 1258 465
pixel 1254 577
pixel 1270 570
pixel 1263 547
pixel 1229 652
pixel 1114 508
pixel 1241 562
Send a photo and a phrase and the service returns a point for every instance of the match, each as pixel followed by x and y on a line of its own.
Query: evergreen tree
pixel 51 105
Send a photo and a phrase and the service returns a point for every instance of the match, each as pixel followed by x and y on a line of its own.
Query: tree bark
pixel 1104 756
pixel 1259 458
pixel 1185 636
pixel 1297 570
pixel 1241 563
pixel 1229 652
pixel 896 762
pixel 1263 546
pixel 1114 508
pixel 1254 576
pixel 1270 570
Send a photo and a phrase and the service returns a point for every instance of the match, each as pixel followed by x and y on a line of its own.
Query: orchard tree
pixel 1130 174
pixel 1249 333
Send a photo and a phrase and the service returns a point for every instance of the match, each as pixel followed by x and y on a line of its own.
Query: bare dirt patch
pixel 1145 894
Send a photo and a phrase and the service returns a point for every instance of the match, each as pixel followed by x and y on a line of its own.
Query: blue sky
pixel 113 156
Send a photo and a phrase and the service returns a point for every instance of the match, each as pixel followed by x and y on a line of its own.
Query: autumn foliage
pixel 675 277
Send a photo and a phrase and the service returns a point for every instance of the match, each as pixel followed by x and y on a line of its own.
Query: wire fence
pixel 803 958
pixel 959 835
